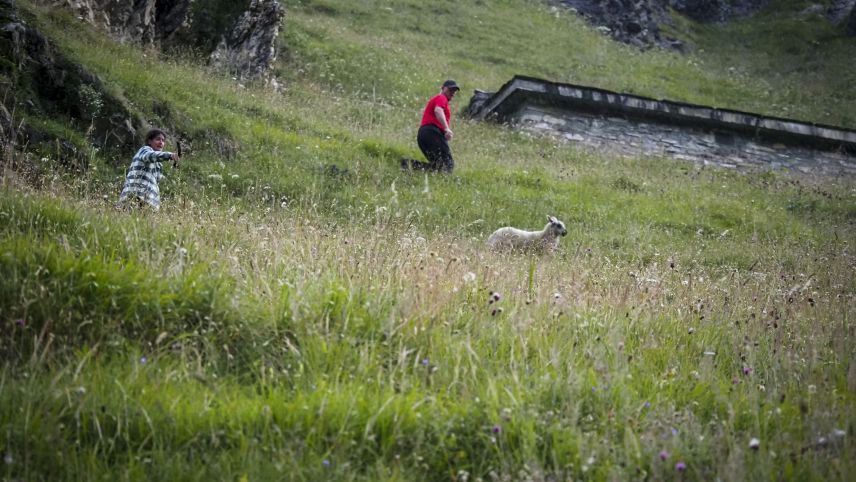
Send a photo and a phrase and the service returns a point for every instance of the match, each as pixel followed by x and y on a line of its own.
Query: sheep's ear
pixel 551 219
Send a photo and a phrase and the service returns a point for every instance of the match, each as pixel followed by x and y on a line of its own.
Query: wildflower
pixel 469 277
pixel 664 455
pixel 647 404
pixel 735 381
pixel 754 443
pixel 497 429
pixel 680 466
pixel 691 330
pixel 425 361
pixel 20 322
pixel 325 463
pixel 812 389
pixel 838 433
pixel 143 360
pixel 747 370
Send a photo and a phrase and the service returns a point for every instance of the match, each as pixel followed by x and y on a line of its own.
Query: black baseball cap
pixel 451 84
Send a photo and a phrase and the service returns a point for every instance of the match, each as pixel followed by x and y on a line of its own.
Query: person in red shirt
pixel 435 132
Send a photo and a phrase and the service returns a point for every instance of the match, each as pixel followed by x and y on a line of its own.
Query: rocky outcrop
pixel 709 11
pixel 840 10
pixel 637 22
pixel 143 22
pixel 246 50
pixel 46 84
pixel 249 50
pixel 172 17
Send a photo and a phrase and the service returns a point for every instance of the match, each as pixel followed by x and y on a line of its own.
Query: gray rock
pixel 634 22
pixel 840 10
pixel 249 50
pixel 172 17
pixel 637 22
pixel 143 22
pixel 813 9
pixel 58 87
pixel 711 11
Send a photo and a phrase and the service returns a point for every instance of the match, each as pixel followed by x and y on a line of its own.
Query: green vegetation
pixel 302 310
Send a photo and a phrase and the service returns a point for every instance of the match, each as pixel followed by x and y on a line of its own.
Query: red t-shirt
pixel 428 116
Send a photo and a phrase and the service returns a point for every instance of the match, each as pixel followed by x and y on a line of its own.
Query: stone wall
pixel 644 138
pixel 637 126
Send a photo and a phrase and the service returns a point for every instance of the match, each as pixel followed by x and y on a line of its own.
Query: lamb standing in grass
pixel 546 240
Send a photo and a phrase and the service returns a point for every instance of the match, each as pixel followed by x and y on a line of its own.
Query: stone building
pixel 639 126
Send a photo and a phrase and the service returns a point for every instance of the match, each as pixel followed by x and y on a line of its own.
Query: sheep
pixel 547 239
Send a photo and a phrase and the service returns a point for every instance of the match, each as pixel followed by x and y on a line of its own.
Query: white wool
pixel 547 240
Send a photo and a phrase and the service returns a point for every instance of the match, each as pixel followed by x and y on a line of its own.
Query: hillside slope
pixel 301 309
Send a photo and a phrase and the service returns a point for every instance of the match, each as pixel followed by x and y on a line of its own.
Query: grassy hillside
pixel 282 319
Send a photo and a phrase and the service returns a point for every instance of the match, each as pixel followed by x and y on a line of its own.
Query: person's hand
pixel 449 134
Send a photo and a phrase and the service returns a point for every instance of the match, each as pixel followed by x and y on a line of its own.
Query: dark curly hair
pixel 154 133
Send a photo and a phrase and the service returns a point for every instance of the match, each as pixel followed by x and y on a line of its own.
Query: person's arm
pixel 441 118
pixel 166 155
pixel 152 155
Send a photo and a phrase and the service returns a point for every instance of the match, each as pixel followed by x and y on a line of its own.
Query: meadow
pixel 301 309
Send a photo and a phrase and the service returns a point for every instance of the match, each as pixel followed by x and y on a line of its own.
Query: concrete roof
pixel 503 104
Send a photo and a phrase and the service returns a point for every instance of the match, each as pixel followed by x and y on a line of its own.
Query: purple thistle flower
pixel 20 322
pixel 680 466
pixel 647 404
pixel 497 429
pixel 664 455
pixel 735 381
pixel 425 361
pixel 747 370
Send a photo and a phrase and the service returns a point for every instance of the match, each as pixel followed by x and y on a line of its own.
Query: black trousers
pixel 435 147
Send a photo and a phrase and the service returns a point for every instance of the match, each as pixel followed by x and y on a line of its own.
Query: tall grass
pixel 280 319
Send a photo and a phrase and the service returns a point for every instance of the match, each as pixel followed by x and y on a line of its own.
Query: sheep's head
pixel 557 227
